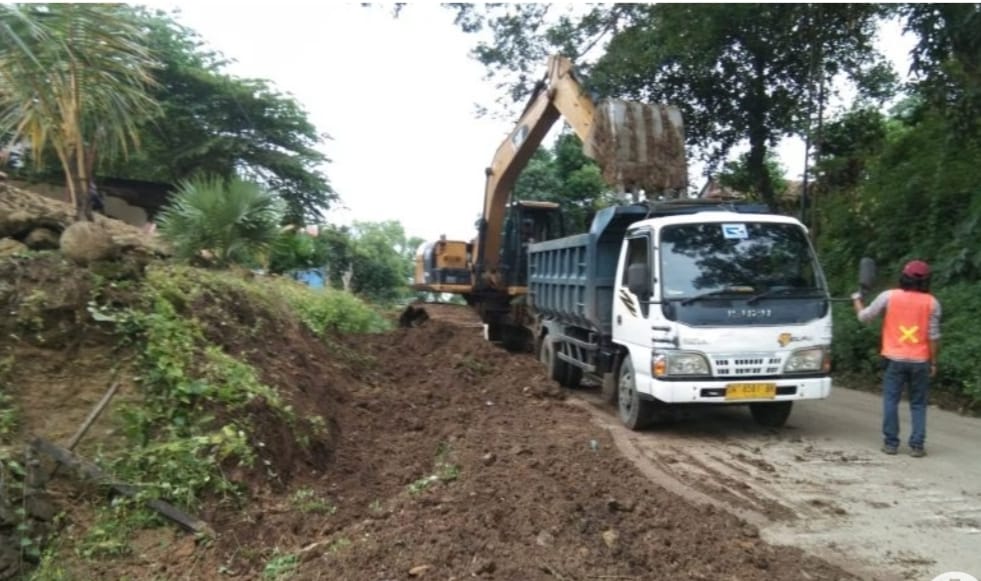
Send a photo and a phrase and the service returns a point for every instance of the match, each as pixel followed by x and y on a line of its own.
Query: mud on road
pixel 821 483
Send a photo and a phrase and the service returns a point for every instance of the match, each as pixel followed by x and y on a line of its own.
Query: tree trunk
pixel 759 135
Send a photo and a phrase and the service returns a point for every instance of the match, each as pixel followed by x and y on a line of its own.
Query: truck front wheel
pixel 635 413
pixel 771 414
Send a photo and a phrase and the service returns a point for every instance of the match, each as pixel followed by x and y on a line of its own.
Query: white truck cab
pixel 720 307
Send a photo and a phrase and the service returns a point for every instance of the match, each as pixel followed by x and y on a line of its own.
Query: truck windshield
pixel 758 260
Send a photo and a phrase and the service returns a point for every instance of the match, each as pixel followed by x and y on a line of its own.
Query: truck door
pixel 631 313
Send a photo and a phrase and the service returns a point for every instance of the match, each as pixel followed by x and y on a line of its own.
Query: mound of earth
pixel 447 458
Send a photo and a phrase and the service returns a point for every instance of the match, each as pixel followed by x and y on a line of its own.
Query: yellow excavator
pixel 640 150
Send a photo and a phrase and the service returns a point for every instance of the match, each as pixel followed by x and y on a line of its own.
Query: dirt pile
pixel 446 458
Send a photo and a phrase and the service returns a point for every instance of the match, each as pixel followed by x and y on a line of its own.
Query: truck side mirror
pixel 639 280
pixel 866 273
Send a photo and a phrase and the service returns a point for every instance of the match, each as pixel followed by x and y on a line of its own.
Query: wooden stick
pixel 93 472
pixel 93 415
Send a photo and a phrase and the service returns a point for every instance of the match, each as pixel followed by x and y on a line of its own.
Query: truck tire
pixel 634 412
pixel 571 375
pixel 565 374
pixel 771 414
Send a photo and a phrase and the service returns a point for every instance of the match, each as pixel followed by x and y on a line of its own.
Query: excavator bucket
pixel 641 147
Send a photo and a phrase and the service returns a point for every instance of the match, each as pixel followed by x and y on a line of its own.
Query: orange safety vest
pixel 906 326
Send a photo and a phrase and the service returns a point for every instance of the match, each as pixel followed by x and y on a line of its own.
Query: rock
pixel 39 506
pixel 614 505
pixel 42 239
pixel 544 539
pixel 16 223
pixel 419 570
pixel 750 532
pixel 484 566
pixel 611 537
pixel 86 242
pixel 488 459
pixel 10 247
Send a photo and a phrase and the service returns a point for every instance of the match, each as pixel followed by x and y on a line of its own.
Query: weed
pixel 475 365
pixel 445 471
pixel 306 501
pixel 280 566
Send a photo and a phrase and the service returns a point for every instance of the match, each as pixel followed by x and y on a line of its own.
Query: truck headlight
pixel 808 361
pixel 679 363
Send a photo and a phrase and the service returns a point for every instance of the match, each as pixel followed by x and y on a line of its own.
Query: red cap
pixel 917 269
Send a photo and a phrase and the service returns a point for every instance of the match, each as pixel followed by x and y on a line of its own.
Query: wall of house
pixel 115 207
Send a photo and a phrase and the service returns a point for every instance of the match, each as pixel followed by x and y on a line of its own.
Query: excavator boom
pixel 639 148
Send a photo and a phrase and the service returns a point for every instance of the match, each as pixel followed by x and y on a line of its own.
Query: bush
pixel 957 367
pixel 233 222
pixel 328 310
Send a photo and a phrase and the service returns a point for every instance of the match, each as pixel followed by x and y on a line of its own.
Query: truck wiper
pixel 784 292
pixel 729 290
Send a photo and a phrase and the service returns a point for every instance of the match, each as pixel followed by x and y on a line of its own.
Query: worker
pixel 910 343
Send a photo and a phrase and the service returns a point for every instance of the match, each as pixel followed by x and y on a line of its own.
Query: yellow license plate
pixel 751 391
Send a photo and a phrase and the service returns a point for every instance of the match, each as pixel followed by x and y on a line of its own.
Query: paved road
pixel 822 484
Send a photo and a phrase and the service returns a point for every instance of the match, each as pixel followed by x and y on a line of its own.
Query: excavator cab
pixel 526 222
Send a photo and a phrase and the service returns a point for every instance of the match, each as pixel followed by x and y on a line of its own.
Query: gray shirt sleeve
pixel 935 321
pixel 875 309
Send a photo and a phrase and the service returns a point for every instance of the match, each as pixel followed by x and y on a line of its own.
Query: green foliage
pixel 445 471
pixel 947 60
pixel 109 532
pixel 566 176
pixel 381 260
pixel 739 176
pixel 958 366
pixel 232 221
pixel 75 81
pixel 331 311
pixel 217 124
pixel 280 566
pixel 308 502
pixel 294 250
pixel 738 71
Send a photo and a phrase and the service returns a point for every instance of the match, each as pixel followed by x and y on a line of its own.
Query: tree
pixel 738 71
pixel 947 61
pixel 74 78
pixel 218 124
pixel 233 222
pixel 738 176
pixel 566 176
pixel 381 260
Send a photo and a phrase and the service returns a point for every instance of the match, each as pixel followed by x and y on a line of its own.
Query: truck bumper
pixel 715 391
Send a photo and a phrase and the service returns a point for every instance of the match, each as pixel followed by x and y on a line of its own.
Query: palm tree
pixel 234 222
pixel 74 78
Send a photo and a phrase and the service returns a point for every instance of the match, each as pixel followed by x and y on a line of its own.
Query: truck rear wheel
pixel 771 414
pixel 634 412
pixel 565 374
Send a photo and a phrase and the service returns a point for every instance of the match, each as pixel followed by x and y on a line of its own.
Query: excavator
pixel 640 149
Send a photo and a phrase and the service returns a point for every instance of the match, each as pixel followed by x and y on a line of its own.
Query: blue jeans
pixel 898 375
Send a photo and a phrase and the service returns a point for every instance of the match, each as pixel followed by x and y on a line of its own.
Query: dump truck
pixel 680 303
pixel 639 147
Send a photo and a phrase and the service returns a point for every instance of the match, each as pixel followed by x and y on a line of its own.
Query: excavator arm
pixel 638 147
pixel 558 95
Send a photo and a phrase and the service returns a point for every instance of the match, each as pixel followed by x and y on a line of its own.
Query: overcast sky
pixel 397 97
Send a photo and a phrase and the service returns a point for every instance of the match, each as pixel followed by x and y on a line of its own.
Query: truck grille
pixel 747 365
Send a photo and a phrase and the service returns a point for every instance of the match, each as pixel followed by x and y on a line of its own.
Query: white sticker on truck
pixel 735 231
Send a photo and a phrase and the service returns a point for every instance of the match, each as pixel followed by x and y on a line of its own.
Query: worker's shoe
pixel 891 450
pixel 917 452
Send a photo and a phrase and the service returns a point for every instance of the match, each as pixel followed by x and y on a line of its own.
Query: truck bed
pixel 571 279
